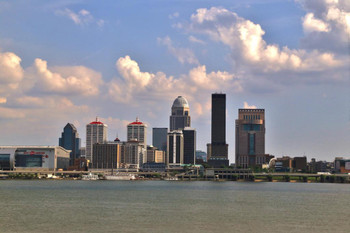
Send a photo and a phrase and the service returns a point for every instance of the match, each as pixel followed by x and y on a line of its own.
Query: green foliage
pixel 156 175
pixel 304 178
pixel 322 178
pixel 252 178
pixel 234 177
pixel 269 178
pixel 287 178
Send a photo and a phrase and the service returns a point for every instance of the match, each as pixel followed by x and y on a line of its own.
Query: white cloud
pixel 195 40
pixel 326 24
pixel 174 15
pixel 247 106
pixel 245 38
pixel 139 88
pixel 11 72
pixel 183 55
pixel 73 80
pixel 3 100
pixel 310 24
pixel 83 17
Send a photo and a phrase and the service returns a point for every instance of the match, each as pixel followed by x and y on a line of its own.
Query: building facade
pixel 180 114
pixel 137 131
pixel 189 135
pixel 35 158
pixel 106 155
pixel 159 138
pixel 96 132
pixel 250 138
pixel 175 151
pixel 218 149
pixel 134 154
pixel 70 140
pixel 154 155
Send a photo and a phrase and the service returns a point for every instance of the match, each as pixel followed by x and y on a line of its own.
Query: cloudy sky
pixel 72 60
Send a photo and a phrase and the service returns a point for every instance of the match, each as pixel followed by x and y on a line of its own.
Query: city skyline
pixel 121 60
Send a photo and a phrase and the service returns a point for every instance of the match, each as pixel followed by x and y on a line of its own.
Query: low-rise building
pixel 34 158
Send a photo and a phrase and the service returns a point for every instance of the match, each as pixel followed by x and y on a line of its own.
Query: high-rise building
pixel 159 138
pixel 189 145
pixel 137 131
pixel 70 140
pixel 180 114
pixel 96 132
pixel 218 149
pixel 250 138
pixel 106 155
pixel 175 148
pixel 135 154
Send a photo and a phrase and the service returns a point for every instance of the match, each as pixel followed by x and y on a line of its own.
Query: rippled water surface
pixel 171 206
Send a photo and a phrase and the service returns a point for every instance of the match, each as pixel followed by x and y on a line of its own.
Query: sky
pixel 72 60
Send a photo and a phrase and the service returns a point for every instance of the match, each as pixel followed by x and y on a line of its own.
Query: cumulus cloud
pixel 11 71
pixel 82 17
pixel 137 87
pixel 3 100
pixel 73 80
pixel 183 55
pixel 326 24
pixel 247 106
pixel 245 38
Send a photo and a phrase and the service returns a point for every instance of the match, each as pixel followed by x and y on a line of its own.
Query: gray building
pixel 218 149
pixel 34 158
pixel 70 140
pixel 250 138
pixel 180 114
pixel 189 135
pixel 159 138
pixel 175 146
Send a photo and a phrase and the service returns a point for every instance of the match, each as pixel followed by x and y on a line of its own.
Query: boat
pixel 120 176
pixel 90 176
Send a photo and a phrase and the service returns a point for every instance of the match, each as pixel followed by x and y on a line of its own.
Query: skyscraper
pixel 159 138
pixel 218 149
pixel 96 132
pixel 180 114
pixel 189 145
pixel 70 140
pixel 250 138
pixel 175 151
pixel 137 131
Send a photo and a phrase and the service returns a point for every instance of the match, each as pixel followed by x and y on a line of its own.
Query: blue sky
pixel 69 61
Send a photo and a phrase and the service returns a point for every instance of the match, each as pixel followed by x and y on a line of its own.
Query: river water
pixel 172 206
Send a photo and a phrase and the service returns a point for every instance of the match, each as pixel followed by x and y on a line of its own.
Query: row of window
pixel 251 117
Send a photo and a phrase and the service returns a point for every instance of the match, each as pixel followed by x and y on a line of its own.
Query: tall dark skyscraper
pixel 70 140
pixel 180 114
pixel 218 149
pixel 159 138
pixel 189 145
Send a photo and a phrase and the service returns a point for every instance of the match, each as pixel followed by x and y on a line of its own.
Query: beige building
pixel 155 155
pixel 250 138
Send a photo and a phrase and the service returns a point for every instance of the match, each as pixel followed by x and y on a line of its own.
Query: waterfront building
pixel 175 148
pixel 96 132
pixel 154 155
pixel 189 135
pixel 70 140
pixel 250 138
pixel 218 149
pixel 299 164
pixel 134 154
pixel 159 138
pixel 106 155
pixel 137 131
pixel 34 158
pixel 341 165
pixel 180 114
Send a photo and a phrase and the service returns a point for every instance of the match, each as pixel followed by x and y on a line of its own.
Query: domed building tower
pixel 180 114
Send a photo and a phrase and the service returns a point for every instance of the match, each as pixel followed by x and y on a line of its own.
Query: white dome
pixel 180 102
